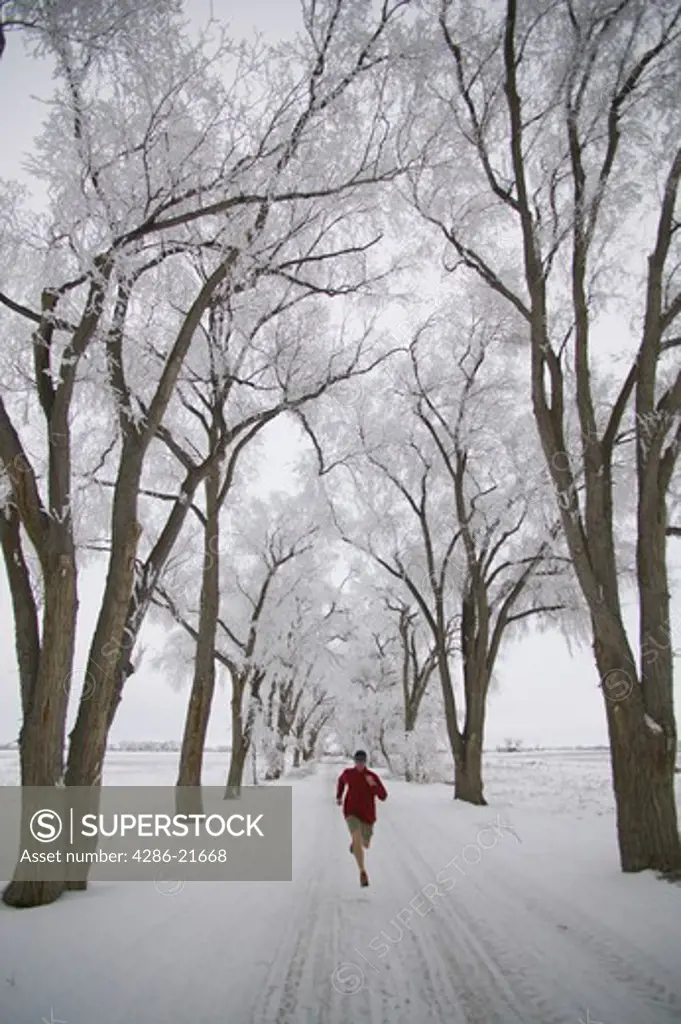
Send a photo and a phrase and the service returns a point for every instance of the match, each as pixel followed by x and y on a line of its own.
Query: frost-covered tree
pixel 259 356
pixel 511 570
pixel 57 317
pixel 390 655
pixel 291 230
pixel 552 132
pixel 368 711
pixel 269 557
pixel 368 714
pixel 447 512
pixel 315 715
pixel 50 26
pixel 418 664
pixel 154 150
pixel 304 669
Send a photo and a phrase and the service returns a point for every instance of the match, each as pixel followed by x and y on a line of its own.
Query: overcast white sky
pixel 544 694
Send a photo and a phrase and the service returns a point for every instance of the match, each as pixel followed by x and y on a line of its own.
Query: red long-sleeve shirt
pixel 360 799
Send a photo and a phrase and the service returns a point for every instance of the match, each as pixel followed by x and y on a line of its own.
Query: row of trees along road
pixel 181 177
pixel 445 504
pixel 270 628
pixel 554 160
pixel 210 208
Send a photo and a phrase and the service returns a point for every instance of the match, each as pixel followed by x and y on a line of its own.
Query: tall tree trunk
pixel 26 628
pixel 45 696
pixel 239 752
pixel 477 663
pixel 408 731
pixel 299 733
pixel 639 706
pixel 50 530
pixel 43 732
pixel 642 770
pixel 652 839
pixel 111 644
pixel 384 751
pixel 468 770
pixel 41 743
pixel 125 604
pixel 236 767
pixel 203 684
pixel 110 648
pixel 449 700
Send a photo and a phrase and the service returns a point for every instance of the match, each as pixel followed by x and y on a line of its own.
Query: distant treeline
pixel 148 746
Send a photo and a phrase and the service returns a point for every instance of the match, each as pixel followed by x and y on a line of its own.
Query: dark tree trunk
pixel 476 667
pixel 203 685
pixel 41 743
pixel 639 707
pixel 642 772
pixel 648 827
pixel 26 628
pixel 384 751
pixel 43 732
pixel 46 679
pixel 126 600
pixel 410 713
pixel 111 644
pixel 449 701
pixel 236 768
pixel 409 728
pixel 468 772
pixel 120 621
pixel 239 752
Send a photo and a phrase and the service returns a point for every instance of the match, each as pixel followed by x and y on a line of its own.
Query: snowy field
pixel 511 913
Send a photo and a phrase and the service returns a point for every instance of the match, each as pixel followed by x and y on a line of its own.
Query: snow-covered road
pixel 466 920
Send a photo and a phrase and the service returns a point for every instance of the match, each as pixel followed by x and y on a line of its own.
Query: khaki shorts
pixel 356 825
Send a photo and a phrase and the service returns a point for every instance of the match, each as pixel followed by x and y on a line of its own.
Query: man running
pixel 363 786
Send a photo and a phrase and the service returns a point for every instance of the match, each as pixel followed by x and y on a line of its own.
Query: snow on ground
pixel 497 915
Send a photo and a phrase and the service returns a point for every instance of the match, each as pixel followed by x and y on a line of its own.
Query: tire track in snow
pixel 661 994
pixel 544 946
pixel 279 1002
pixel 493 951
pixel 485 990
pixel 418 978
pixel 575 940
pixel 327 928
pixel 412 983
pixel 299 987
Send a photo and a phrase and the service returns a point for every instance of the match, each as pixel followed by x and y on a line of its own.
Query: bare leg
pixel 358 849
pixel 366 839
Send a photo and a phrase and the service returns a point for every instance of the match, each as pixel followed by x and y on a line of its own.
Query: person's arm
pixel 340 787
pixel 380 789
